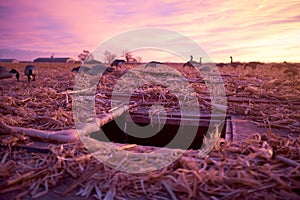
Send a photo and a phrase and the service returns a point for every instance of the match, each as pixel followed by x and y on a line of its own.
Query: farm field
pixel 262 161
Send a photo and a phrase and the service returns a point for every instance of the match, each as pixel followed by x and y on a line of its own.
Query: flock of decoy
pixel 291 70
pixel 30 70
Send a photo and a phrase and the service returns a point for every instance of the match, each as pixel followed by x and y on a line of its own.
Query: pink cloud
pixel 222 28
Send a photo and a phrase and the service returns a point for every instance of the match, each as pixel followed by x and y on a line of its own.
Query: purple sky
pixel 247 30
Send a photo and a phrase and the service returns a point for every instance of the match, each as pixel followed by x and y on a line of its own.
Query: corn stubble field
pixel 260 166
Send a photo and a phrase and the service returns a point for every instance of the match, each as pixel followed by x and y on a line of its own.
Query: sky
pixel 267 31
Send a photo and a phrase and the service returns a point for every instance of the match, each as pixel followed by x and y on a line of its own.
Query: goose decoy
pixel 80 69
pixel 4 73
pixel 16 73
pixel 234 64
pixel 95 70
pixel 192 63
pixel 117 62
pixel 153 64
pixel 100 69
pixel 30 72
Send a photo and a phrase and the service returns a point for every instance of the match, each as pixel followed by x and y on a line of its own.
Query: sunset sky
pixel 247 30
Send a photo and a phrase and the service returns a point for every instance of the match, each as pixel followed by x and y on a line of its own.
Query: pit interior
pixel 183 132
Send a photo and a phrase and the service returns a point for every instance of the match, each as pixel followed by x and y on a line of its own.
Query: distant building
pixel 9 60
pixel 25 61
pixel 57 60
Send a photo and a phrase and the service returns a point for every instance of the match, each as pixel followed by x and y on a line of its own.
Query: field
pixel 262 162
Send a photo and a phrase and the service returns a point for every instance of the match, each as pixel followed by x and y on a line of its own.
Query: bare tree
pixel 126 54
pixel 139 59
pixel 129 57
pixel 85 55
pixel 109 57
